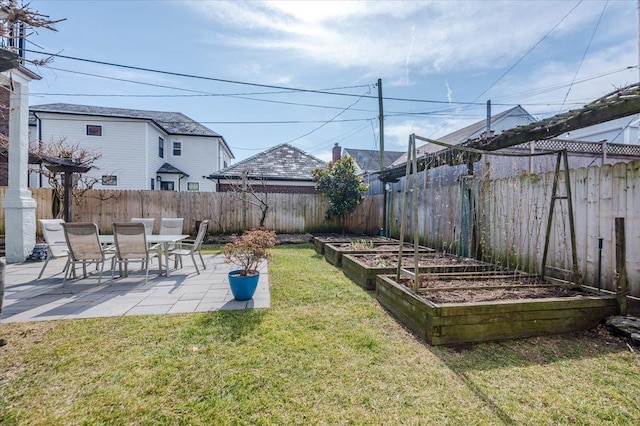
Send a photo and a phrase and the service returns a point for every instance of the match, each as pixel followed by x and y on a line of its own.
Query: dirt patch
pixel 384 260
pixel 471 291
pixel 372 246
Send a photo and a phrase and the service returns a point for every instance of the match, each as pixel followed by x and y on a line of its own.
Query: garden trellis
pixel 465 230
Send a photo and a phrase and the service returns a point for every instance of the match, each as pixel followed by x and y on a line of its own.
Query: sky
pixel 306 73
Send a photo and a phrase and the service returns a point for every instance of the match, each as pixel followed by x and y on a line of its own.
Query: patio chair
pixel 148 223
pixel 190 248
pixel 131 246
pixel 171 226
pixel 53 234
pixel 84 247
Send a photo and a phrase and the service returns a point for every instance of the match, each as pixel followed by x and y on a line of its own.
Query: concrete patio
pixel 28 299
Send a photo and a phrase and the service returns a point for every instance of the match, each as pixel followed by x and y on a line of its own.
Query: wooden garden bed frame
pixel 472 322
pixel 333 252
pixel 320 241
pixel 365 275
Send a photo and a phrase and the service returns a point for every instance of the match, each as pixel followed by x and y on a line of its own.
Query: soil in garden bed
pixel 331 238
pixel 470 291
pixel 376 246
pixel 385 260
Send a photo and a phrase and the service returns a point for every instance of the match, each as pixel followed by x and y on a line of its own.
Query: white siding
pixel 121 145
pixel 129 149
pixel 198 159
pixel 622 130
pixel 154 161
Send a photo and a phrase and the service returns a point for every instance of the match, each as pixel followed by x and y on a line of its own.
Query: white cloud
pixel 388 36
pixel 544 88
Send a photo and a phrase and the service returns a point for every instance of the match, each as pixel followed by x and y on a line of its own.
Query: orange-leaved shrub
pixel 248 250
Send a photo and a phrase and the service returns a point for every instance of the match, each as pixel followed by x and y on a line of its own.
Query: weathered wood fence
pixel 506 218
pixel 510 218
pixel 288 213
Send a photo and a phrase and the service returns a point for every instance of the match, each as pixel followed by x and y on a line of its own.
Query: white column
pixel 19 206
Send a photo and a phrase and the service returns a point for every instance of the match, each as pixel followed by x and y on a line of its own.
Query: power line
pixel 197 93
pixel 517 62
pixel 584 55
pixel 327 122
pixel 289 89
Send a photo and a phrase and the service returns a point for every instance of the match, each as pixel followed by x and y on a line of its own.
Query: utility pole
pixel 381 118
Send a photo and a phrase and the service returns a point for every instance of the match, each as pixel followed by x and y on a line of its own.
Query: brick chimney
pixel 337 152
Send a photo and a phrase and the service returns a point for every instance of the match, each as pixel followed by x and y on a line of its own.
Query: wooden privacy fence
pixel 509 219
pixel 506 217
pixel 288 213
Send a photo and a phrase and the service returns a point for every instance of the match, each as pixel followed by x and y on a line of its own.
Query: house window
pixel 94 130
pixel 161 147
pixel 109 180
pixel 177 149
pixel 193 186
pixel 153 184
pixel 166 186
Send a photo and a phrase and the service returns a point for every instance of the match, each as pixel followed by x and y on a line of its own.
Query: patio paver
pixel 28 299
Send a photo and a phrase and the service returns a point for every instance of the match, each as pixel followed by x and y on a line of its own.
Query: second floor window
pixel 94 130
pixel 177 149
pixel 161 147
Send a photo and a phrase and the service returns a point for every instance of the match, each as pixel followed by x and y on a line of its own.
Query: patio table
pixel 165 240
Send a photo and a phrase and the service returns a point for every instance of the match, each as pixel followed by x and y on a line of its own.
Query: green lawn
pixel 324 353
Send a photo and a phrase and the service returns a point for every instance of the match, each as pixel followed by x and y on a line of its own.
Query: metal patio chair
pixel 131 246
pixel 84 248
pixel 147 221
pixel 53 234
pixel 190 248
pixel 171 226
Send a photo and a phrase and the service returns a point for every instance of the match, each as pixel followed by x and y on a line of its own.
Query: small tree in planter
pixel 247 251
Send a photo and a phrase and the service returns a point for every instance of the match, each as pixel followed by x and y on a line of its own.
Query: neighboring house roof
pixel 168 168
pixel 471 131
pixel 173 123
pixel 368 160
pixel 282 162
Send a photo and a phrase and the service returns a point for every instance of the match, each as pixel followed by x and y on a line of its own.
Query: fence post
pixel 621 268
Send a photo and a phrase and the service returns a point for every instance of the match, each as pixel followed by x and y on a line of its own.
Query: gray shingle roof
pixel 283 161
pixel 168 168
pixel 174 123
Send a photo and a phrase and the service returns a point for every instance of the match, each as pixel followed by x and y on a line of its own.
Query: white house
pixel 622 130
pixel 140 149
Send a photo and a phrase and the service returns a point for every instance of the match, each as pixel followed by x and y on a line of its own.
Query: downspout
pixel 39 121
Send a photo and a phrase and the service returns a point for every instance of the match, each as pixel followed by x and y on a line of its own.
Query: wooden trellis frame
pixel 562 157
pixel 411 169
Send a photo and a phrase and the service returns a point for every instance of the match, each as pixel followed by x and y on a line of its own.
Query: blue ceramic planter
pixel 243 288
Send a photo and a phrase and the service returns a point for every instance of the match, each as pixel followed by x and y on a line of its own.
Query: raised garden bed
pixel 363 268
pixel 333 252
pixel 320 241
pixel 448 311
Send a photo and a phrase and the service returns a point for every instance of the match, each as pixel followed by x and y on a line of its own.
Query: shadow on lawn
pixel 228 326
pixel 531 351
pixel 463 361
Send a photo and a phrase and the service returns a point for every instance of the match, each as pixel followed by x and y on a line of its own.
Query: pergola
pixel 620 103
pixel 56 165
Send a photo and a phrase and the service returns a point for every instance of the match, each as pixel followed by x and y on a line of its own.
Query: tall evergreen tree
pixel 341 185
